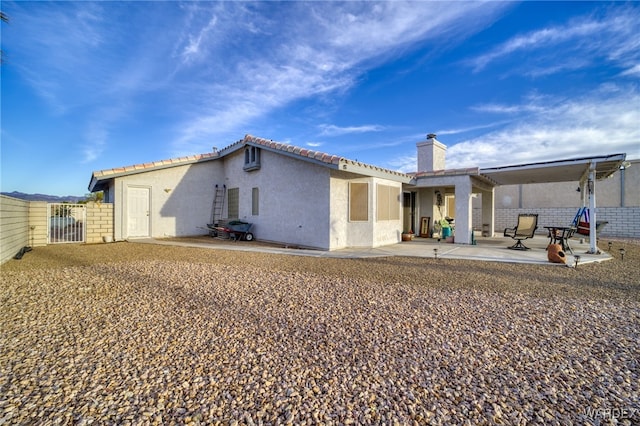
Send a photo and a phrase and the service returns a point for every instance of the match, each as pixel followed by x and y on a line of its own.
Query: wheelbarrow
pixel 236 229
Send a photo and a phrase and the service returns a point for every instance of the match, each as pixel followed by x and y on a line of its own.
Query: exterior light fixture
pixel 435 253
pixel 622 253
pixel 609 244
pixel 576 260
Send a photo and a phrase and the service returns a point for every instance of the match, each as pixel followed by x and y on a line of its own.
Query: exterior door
pixel 138 212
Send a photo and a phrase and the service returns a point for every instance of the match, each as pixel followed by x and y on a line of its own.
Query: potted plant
pixel 408 236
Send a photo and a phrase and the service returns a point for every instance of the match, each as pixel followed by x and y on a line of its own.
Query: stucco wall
pixel 359 233
pixel 181 199
pixel 300 203
pixel 370 233
pixel 339 211
pixel 387 232
pixel 294 198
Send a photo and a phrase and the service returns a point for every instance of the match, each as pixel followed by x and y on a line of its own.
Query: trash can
pixel 446 232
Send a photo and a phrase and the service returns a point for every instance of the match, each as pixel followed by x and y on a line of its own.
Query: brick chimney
pixel 431 154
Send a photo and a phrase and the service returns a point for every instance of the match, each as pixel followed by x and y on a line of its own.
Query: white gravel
pixel 178 342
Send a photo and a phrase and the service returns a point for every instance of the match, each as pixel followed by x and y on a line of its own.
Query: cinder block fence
pixel 24 223
pixel 99 222
pixel 622 222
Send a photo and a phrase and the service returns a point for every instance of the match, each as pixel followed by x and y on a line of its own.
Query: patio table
pixel 561 235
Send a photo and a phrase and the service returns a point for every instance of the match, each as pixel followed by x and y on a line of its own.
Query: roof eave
pixel 97 183
pixel 373 171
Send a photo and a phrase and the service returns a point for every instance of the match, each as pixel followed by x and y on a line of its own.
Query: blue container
pixel 446 232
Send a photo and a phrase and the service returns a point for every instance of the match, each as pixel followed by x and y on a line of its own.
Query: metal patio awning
pixel 572 170
pixel 583 170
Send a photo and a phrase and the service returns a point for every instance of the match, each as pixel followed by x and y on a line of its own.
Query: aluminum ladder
pixel 218 204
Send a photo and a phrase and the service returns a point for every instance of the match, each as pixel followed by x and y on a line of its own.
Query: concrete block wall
pixel 99 222
pixel 624 222
pixel 24 223
pixel 38 223
pixel 14 226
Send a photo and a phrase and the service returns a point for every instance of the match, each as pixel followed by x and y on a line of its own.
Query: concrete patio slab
pixel 486 249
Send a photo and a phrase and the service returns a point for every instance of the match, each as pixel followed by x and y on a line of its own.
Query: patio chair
pixel 526 228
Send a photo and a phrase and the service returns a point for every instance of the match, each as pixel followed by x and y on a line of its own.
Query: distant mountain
pixel 44 197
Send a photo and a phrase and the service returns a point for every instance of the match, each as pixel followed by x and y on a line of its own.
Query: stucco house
pixel 292 195
pixel 302 197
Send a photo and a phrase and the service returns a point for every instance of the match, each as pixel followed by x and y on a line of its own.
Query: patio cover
pixel 581 170
pixel 574 170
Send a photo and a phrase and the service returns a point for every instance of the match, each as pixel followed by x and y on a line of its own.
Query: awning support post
pixel 591 188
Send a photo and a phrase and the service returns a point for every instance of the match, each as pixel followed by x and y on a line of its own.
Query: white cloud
pixel 37 38
pixel 277 67
pixel 590 125
pixel 192 50
pixel 404 164
pixel 603 121
pixel 474 128
pixel 509 109
pixel 633 71
pixel 333 130
pixel 538 39
pixel 97 136
pixel 612 38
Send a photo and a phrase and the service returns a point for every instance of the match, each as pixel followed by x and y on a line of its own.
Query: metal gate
pixel 66 223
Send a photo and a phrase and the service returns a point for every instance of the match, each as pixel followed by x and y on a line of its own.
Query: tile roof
pixel 284 148
pixel 156 165
pixel 333 161
pixel 304 153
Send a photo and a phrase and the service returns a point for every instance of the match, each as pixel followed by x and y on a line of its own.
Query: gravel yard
pixel 129 333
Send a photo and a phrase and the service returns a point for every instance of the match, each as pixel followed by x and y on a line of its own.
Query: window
pixel 251 158
pixel 450 202
pixel 254 201
pixel 388 202
pixel 358 202
pixel 233 197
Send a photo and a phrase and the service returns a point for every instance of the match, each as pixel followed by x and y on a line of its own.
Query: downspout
pixel 412 202
pixel 622 170
pixel 591 187
pixel 520 196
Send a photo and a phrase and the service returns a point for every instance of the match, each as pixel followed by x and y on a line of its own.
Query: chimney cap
pixel 431 136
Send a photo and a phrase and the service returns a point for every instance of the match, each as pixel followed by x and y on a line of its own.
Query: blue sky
pixel 94 85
